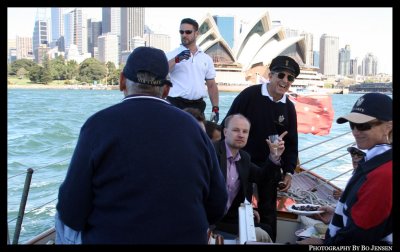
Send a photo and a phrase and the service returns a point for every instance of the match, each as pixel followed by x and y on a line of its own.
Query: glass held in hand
pixel 274 139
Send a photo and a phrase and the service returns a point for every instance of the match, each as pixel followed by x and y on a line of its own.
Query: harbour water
pixel 43 127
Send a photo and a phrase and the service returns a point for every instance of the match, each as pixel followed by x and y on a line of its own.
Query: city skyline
pixel 366 30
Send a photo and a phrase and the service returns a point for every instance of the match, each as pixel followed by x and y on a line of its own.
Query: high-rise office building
pixel 344 61
pixel 11 50
pixel 354 67
pixel 329 55
pixel 75 30
pixel 108 48
pixel 94 31
pixel 316 59
pixel 111 20
pixel 308 40
pixel 160 41
pixel 226 26
pixel 24 47
pixel 132 25
pixel 370 65
pixel 57 23
pixel 39 38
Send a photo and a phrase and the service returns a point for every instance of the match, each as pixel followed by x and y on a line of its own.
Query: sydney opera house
pixel 252 50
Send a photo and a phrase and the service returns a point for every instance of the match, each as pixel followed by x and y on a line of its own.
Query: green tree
pixel 112 73
pixel 91 70
pixel 71 71
pixel 21 73
pixel 59 68
pixel 21 63
pixel 34 73
pixel 46 71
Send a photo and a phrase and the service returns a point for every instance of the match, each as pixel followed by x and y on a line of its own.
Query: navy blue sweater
pixel 143 172
pixel 267 118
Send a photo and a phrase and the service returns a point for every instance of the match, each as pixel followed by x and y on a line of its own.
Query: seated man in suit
pixel 240 173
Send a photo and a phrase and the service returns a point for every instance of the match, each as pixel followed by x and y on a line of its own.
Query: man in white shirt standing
pixel 189 69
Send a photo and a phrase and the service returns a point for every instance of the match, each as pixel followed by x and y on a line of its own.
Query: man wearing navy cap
pixel 271 113
pixel 363 214
pixel 143 171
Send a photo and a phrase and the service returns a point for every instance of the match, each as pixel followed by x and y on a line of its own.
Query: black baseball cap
pixel 147 59
pixel 369 107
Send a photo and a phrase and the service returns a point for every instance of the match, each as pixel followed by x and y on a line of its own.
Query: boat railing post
pixel 8 236
pixel 22 205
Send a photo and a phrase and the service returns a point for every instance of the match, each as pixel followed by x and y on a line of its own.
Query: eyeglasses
pixel 185 31
pixel 290 78
pixel 364 126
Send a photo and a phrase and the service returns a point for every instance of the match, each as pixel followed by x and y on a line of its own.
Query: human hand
pixel 214 114
pixel 277 146
pixel 336 194
pixel 284 185
pixel 326 216
pixel 184 55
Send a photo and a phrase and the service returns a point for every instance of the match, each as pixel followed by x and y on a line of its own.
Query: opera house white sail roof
pixel 257 44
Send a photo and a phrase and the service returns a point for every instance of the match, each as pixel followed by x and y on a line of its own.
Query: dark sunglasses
pixel 185 31
pixel 290 78
pixel 364 126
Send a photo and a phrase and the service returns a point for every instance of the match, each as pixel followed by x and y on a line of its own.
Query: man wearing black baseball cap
pixel 363 214
pixel 369 107
pixel 271 113
pixel 143 171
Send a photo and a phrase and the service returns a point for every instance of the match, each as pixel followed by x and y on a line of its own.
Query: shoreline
pixel 222 88
pixel 59 86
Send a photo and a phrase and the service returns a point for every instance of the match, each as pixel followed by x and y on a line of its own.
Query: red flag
pixel 314 113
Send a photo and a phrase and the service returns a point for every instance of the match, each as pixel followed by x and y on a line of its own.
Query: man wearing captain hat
pixel 271 113
pixel 363 214
pixel 143 171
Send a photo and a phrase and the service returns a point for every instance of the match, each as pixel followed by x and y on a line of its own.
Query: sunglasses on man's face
pixel 185 31
pixel 364 126
pixel 290 78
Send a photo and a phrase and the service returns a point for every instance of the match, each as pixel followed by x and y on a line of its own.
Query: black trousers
pixel 267 195
pixel 182 103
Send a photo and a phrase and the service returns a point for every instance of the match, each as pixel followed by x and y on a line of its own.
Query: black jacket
pixel 249 173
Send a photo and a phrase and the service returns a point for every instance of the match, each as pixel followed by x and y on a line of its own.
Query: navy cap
pixel 147 59
pixel 284 63
pixel 369 107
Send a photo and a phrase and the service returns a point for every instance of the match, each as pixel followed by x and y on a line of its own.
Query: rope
pixel 305 197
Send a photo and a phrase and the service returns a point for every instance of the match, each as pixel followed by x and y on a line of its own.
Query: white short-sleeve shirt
pixel 188 76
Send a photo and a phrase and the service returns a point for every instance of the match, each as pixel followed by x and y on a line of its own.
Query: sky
pixel 365 29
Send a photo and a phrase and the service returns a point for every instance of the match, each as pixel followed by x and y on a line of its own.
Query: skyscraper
pixel 308 40
pixel 57 23
pixel 75 30
pixel 370 65
pixel 132 25
pixel 111 20
pixel 344 61
pixel 39 38
pixel 329 55
pixel 94 31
